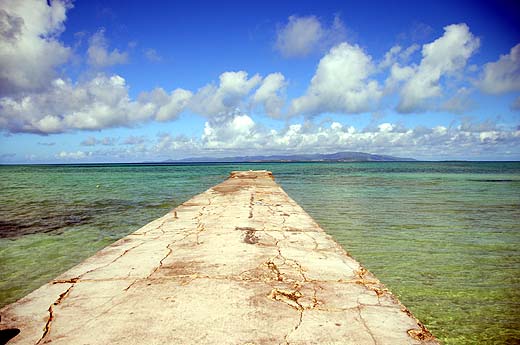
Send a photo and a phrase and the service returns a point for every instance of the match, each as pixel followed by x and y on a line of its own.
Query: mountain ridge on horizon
pixel 344 156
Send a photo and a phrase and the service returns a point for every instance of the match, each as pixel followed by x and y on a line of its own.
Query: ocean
pixel 442 236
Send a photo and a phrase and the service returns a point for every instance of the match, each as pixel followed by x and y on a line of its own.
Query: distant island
pixel 332 157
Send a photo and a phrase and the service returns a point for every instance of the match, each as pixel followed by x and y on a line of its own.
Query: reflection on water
pixel 444 237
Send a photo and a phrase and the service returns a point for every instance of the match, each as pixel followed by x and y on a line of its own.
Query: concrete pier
pixel 241 263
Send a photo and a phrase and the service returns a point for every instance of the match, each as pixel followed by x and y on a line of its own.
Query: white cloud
pixel 235 132
pixel 168 146
pixel 134 140
pixel 104 102
pixel 152 55
pixel 99 55
pixel 93 141
pixel 445 56
pixel 408 52
pixel 90 141
pixel 101 102
pixel 270 94
pixel 458 103
pixel 341 84
pixel 303 35
pixel 503 75
pixel 390 57
pixel 240 135
pixel 227 96
pixel 397 54
pixel 30 49
pixel 78 155
pixel 398 74
pixel 166 106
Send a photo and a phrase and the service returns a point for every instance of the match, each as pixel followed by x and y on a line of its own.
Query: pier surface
pixel 241 263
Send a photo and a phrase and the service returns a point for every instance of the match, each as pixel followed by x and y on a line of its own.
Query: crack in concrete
pixel 74 281
pixel 166 218
pixel 358 308
pixel 313 240
pixel 161 262
pixel 111 262
pixel 294 329
pixel 201 226
pixel 289 297
pixel 47 327
pixel 295 264
pixel 65 281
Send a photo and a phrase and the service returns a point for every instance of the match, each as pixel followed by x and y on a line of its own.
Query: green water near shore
pixel 444 237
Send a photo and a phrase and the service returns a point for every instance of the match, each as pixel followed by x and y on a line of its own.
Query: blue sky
pixel 112 81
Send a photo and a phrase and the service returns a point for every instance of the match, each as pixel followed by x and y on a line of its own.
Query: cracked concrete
pixel 241 263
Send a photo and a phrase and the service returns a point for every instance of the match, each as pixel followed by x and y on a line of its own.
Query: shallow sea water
pixel 444 237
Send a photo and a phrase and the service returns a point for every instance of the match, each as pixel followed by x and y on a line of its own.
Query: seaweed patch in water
pixel 46 224
pixel 490 180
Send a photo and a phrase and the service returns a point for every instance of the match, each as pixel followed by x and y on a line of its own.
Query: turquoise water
pixel 444 237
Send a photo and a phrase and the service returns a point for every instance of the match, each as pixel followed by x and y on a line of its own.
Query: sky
pixel 138 81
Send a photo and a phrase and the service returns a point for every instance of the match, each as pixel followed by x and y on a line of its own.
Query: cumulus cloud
pixel 227 96
pixel 303 35
pixel 270 94
pixel 101 102
pixel 167 106
pixel 390 57
pixel 445 56
pixel 168 145
pixel 240 135
pixel 396 54
pixel 30 49
pixel 98 52
pixel 503 75
pixel 238 131
pixel 398 74
pixel 341 84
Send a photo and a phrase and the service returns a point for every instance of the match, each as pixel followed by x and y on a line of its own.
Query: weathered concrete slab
pixel 241 263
